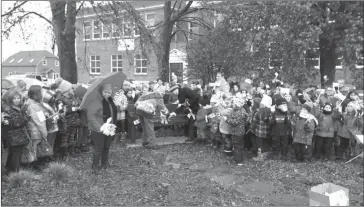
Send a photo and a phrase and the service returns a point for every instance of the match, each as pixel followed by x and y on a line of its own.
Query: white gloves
pixel 107 128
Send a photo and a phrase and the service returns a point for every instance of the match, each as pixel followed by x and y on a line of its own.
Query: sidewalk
pixel 160 141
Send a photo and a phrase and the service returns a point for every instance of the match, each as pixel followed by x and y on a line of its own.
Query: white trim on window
pixel 56 63
pixel 191 29
pixel 44 62
pixel 99 25
pixel 269 59
pixel 149 22
pixel 95 59
pixel 143 69
pixel 84 30
pixel 360 56
pixel 55 76
pixel 106 27
pixel 116 59
pixel 317 58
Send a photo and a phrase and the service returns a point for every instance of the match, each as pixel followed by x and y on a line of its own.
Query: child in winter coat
pixel 280 125
pixel 72 119
pixel 16 135
pixel 304 129
pixel 121 103
pixel 348 120
pixel 224 126
pixel 261 131
pixel 237 121
pixel 325 132
pixel 201 120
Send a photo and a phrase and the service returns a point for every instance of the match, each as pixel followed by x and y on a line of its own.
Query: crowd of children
pixel 269 122
pixel 246 118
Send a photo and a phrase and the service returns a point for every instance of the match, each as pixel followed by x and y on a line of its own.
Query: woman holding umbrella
pixel 97 114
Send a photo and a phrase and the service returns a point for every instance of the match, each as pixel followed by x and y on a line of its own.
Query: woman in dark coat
pixel 17 135
pixel 188 100
pixel 97 115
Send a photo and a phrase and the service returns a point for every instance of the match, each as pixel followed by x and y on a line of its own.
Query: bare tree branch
pixel 14 8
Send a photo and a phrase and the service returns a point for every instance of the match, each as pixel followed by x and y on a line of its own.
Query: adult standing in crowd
pixel 188 102
pixel 98 114
pixel 146 107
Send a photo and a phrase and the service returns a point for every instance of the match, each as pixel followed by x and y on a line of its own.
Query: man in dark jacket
pixel 188 102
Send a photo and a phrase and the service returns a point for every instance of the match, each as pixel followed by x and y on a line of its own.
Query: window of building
pixel 140 63
pixel 127 28
pixel 106 29
pixel 192 30
pixel 20 60
pixel 31 60
pixel 56 63
pixel 360 59
pixel 313 58
pixel 176 68
pixel 12 60
pixel 44 62
pixel 95 64
pixel 116 27
pixel 275 55
pixel 87 30
pixel 96 29
pixel 55 75
pixel 339 60
pixel 10 73
pixel 150 19
pixel 116 63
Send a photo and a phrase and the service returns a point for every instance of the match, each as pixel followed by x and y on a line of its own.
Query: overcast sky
pixel 40 35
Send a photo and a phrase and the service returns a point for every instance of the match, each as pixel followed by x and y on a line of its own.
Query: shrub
pixel 21 178
pixel 58 172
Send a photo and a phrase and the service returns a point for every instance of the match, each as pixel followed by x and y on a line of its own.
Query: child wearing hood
pixel 260 130
pixel 280 125
pixel 71 122
pixel 348 120
pixel 325 132
pixel 237 121
pixel 304 129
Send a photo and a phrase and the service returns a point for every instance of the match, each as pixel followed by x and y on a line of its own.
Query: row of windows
pixel 116 28
pixel 312 57
pixel 140 64
pixel 44 62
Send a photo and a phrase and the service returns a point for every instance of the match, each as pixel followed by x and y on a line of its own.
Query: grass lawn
pixel 181 174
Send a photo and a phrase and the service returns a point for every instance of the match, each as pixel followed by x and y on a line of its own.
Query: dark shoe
pixel 190 140
pixel 145 144
pixel 105 166
pixel 151 146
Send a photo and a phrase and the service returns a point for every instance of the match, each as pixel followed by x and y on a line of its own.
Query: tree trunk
pixel 165 43
pixel 65 34
pixel 70 69
pixel 327 60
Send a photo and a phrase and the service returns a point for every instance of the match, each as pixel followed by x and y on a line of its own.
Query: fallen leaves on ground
pixel 139 176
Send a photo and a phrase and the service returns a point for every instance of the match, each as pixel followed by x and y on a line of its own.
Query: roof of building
pixel 136 4
pixel 27 58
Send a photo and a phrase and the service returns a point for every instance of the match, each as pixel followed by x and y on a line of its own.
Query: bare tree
pixel 63 26
pixel 159 36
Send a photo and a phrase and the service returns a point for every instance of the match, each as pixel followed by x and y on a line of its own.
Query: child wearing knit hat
pixel 304 130
pixel 348 120
pixel 325 132
pixel 281 129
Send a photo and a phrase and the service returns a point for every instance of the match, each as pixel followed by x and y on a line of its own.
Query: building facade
pixel 106 43
pixel 41 63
